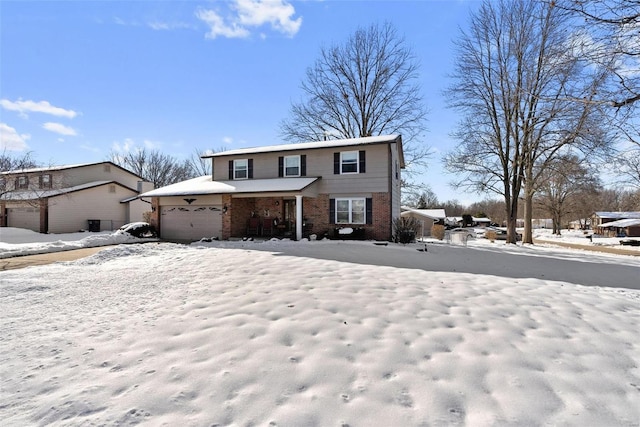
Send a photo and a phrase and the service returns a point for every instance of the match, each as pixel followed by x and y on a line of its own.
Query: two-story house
pixel 349 186
pixel 63 199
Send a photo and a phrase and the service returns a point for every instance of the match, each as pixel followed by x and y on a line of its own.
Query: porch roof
pixel 629 222
pixel 205 185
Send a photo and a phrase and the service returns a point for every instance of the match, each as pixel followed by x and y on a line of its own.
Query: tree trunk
pixel 527 236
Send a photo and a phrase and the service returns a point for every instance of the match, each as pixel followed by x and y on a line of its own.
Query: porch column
pixel 298 217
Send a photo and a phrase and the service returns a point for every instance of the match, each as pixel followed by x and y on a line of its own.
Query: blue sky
pixel 82 79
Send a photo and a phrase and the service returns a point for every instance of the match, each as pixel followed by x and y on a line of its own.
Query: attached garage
pixel 24 217
pixel 187 222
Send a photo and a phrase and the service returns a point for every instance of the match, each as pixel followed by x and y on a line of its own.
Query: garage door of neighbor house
pixel 190 222
pixel 25 217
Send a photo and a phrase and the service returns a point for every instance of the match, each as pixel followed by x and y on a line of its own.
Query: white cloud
pixel 227 140
pixel 11 140
pixel 24 107
pixel 167 26
pixel 123 147
pixel 217 26
pixel 60 128
pixel 250 14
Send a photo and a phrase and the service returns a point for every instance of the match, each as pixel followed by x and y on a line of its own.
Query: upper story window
pixel 292 166
pixel 45 181
pixel 22 183
pixel 241 169
pixel 349 162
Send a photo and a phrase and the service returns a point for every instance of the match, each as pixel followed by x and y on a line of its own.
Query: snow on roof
pixel 38 194
pixel 55 168
pixel 429 213
pixel 205 185
pixel 310 145
pixel 618 215
pixel 627 222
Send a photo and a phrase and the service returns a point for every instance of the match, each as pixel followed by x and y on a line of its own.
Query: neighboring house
pixel 458 221
pixel 617 223
pixel 427 218
pixel 349 186
pixel 64 199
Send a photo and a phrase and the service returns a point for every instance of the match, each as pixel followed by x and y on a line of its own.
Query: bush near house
pixel 405 229
pixel 438 231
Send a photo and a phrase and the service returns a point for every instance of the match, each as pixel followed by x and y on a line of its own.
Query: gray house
pixel 345 188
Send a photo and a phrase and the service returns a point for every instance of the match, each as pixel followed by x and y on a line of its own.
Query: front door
pixel 290 217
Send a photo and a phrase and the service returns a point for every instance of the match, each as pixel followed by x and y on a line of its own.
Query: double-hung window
pixel 349 162
pixel 22 183
pixel 350 211
pixel 292 166
pixel 45 181
pixel 241 169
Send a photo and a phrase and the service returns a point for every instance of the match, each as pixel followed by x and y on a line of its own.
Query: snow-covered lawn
pixel 224 334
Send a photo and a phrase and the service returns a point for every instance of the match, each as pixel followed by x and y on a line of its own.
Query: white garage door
pixel 26 217
pixel 190 222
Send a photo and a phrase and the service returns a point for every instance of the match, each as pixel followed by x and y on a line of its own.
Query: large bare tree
pixel 154 166
pixel 566 181
pixel 366 86
pixel 516 78
pixel 612 40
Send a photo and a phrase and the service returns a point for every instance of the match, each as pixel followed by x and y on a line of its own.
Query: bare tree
pixel 22 161
pixel 420 197
pixel 567 180
pixel 366 86
pixel 160 169
pixel 612 30
pixel 516 79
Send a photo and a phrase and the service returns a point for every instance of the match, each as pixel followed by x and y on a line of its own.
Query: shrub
pixel 437 231
pixel 405 229
pixel 491 235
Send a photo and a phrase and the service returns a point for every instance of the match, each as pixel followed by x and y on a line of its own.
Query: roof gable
pixel 66 167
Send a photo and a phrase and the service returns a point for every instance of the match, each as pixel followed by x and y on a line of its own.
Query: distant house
pixel 342 188
pixel 64 199
pixel 457 221
pixel 617 223
pixel 427 218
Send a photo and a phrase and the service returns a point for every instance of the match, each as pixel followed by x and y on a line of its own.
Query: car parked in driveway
pixel 501 233
pixel 470 232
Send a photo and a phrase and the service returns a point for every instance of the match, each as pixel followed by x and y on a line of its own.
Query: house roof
pixel 41 194
pixel 382 139
pixel 618 215
pixel 429 213
pixel 63 167
pixel 628 222
pixel 205 185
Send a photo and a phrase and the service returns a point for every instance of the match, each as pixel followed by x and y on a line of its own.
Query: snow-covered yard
pixel 222 333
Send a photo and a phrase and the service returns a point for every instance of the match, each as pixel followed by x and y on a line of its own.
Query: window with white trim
pixel 45 181
pixel 241 169
pixel 292 166
pixel 350 211
pixel 22 183
pixel 349 162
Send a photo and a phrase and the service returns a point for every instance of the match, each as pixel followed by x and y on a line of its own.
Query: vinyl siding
pixel 70 213
pixel 319 163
